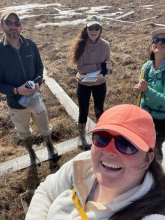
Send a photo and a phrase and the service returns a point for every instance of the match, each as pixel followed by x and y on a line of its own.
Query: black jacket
pixel 17 67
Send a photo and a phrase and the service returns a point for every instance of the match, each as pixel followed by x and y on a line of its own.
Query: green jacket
pixel 153 99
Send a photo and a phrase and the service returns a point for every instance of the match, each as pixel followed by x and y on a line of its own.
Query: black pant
pixel 84 93
pixel 160 135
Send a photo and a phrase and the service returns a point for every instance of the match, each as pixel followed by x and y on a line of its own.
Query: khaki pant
pixel 21 120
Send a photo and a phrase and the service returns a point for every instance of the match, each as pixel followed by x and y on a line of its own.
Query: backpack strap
pixel 147 70
pixel 150 79
pixel 163 77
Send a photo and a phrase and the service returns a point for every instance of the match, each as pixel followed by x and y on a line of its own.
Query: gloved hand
pixel 104 72
pixel 103 66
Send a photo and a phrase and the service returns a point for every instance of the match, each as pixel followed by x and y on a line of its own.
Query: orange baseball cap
pixel 130 121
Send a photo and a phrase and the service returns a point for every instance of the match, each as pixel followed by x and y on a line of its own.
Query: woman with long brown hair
pixel 90 53
pixel 153 86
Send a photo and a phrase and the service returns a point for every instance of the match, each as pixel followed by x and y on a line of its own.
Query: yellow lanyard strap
pixel 78 205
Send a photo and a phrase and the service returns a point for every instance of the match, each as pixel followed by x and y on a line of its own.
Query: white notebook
pixel 90 77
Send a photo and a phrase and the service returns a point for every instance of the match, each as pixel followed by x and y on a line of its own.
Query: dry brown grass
pixel 129 44
pixel 12 185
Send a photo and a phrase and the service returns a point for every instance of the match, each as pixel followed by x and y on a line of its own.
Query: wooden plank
pixel 24 161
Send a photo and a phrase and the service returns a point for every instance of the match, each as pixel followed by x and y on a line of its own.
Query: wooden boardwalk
pixel 72 109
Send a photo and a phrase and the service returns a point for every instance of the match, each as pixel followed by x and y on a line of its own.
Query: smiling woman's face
pixel 114 169
pixel 93 35
pixel 159 48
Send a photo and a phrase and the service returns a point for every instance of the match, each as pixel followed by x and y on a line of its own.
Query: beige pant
pixel 21 120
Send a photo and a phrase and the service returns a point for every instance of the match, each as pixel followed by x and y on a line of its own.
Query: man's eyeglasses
pixel 9 23
pixel 121 143
pixel 96 28
pixel 157 40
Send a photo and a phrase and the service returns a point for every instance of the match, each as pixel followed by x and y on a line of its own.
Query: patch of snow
pixel 163 25
pixel 68 12
pixel 21 9
pixel 96 9
pixel 61 16
pixel 83 8
pixel 63 23
pixel 111 14
pixel 146 6
pixel 91 12
pixel 146 19
pixel 27 16
pixel 126 14
pixel 99 8
pixel 30 16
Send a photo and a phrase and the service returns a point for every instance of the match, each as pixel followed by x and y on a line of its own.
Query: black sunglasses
pixel 96 28
pixel 157 40
pixel 121 143
pixel 9 23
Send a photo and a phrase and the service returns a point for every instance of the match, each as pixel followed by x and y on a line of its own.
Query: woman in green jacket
pixel 153 88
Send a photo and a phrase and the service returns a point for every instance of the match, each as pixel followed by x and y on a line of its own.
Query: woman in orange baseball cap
pixel 119 178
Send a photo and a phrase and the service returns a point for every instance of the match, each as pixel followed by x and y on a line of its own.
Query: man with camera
pixel 20 62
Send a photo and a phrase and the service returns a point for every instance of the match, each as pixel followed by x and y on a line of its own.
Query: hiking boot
pixel 52 152
pixel 34 160
pixel 81 128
